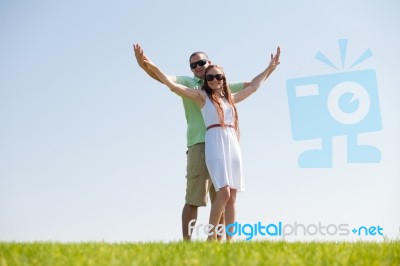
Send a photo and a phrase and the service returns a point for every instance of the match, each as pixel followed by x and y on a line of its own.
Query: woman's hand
pixel 148 63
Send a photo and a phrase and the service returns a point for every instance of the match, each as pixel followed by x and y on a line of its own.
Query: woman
pixel 222 150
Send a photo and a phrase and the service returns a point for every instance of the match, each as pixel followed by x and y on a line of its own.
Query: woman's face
pixel 214 79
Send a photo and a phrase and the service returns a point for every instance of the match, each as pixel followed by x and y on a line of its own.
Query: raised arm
pixel 140 60
pixel 198 96
pixel 259 79
pixel 140 57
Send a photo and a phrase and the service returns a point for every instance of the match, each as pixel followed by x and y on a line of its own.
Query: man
pixel 198 179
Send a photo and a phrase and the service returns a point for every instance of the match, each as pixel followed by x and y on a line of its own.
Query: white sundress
pixel 222 150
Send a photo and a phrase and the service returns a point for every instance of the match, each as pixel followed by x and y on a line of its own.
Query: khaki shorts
pixel 198 179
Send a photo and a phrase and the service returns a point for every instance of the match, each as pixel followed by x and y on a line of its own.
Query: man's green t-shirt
pixel 196 129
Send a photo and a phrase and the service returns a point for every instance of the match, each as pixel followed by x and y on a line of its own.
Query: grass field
pixel 200 253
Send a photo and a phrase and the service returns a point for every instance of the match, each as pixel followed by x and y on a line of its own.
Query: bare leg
pixel 217 208
pixel 189 213
pixel 221 221
pixel 230 211
pixel 213 195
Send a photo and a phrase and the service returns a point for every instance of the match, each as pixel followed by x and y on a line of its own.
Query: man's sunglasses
pixel 210 77
pixel 201 63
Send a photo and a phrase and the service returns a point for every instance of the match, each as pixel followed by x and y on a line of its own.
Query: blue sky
pixel 93 149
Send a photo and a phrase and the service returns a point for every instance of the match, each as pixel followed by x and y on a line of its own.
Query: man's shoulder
pixel 236 86
pixel 187 81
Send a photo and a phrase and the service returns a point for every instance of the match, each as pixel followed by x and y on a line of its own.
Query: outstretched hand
pixel 150 65
pixel 145 62
pixel 140 57
pixel 275 59
pixel 138 54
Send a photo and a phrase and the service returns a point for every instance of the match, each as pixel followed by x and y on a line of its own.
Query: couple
pixel 213 130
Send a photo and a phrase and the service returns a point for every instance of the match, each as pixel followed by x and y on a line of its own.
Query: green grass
pixel 201 253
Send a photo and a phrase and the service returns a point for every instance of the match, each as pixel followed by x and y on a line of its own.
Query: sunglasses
pixel 210 77
pixel 200 63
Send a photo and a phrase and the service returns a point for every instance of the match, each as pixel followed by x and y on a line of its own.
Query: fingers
pixel 275 58
pixel 138 49
pixel 138 52
pixel 278 53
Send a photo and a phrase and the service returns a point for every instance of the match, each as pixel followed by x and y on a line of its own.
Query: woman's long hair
pixel 216 100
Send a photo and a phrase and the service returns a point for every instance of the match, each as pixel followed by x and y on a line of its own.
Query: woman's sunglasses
pixel 201 63
pixel 210 77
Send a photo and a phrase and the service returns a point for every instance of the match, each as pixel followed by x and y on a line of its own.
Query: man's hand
pixel 139 55
pixel 141 59
pixel 275 59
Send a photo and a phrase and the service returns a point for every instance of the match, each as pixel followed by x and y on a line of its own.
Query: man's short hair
pixel 198 53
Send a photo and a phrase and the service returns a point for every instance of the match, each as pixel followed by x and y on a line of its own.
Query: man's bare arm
pixel 140 58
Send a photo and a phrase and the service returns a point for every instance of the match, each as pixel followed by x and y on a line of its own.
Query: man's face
pixel 198 64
